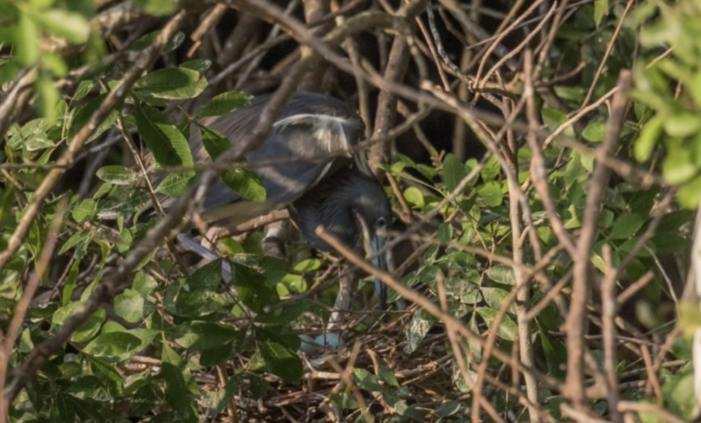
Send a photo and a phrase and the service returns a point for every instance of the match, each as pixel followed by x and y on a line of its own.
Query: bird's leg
pixel 273 244
pixel 344 299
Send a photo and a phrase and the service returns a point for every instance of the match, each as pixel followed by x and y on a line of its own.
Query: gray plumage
pixel 310 125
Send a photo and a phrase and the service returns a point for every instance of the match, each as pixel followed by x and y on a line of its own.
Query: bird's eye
pixel 381 222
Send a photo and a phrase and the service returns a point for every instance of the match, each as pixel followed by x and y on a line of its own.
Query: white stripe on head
pixel 329 131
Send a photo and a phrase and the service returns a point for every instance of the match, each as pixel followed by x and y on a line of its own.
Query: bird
pixel 309 125
pixel 338 193
pixel 351 206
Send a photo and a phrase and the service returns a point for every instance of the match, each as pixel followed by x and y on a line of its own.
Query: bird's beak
pixel 377 256
pixel 374 249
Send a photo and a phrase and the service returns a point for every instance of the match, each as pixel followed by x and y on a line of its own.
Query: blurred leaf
pixel 156 7
pixel 69 25
pixel 130 306
pixel 244 182
pixel 682 124
pixel 414 197
pixel 200 66
pixel 224 103
pixel 491 193
pixel 27 40
pixel 626 226
pixel 148 39
pixel 678 167
pixel 595 131
pixel 453 172
pixel 117 175
pixel 689 195
pixel 502 273
pixel 171 84
pixel 279 358
pixel 601 9
pixel 507 330
pixel 648 138
pixel 113 346
pixel 84 211
pixel 82 115
pixel 176 390
pixel 204 335
pixel 217 401
pixel 48 96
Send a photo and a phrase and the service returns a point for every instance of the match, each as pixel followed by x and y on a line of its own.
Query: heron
pixel 348 202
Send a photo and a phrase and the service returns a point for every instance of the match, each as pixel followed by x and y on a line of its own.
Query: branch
pixel 581 272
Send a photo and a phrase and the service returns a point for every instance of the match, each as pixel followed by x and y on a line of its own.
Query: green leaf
pixel 491 193
pixel 678 167
pixel 72 26
pixel 113 346
pixel 83 114
pixel 502 273
pixel 647 139
pixel 200 66
pixel 279 358
pixel 156 7
pixel 117 175
pixel 168 145
pixel 224 103
pixel 626 226
pixel 175 185
pixel 507 329
pixel 682 124
pixel 689 194
pixel 453 171
pixel 148 39
pixel 217 401
pixel 48 96
pixel 244 182
pixel 27 40
pixel 308 265
pixel 595 131
pixel 205 335
pixel 176 390
pixel 122 203
pixel 84 211
pixel 414 196
pixel 130 306
pixel 601 9
pixel 252 288
pixel 171 84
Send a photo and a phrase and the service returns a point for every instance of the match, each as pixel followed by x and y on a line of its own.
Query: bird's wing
pixel 305 123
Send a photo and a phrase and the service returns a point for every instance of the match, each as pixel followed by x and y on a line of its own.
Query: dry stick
pixel 387 103
pixel 523 44
pixel 581 270
pixel 23 305
pixel 653 381
pixel 208 22
pixel 583 111
pixel 538 171
pixel 636 286
pixel 112 101
pixel 253 224
pixel 609 49
pixel 501 36
pixel 608 331
pixel 15 99
pixel 426 304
